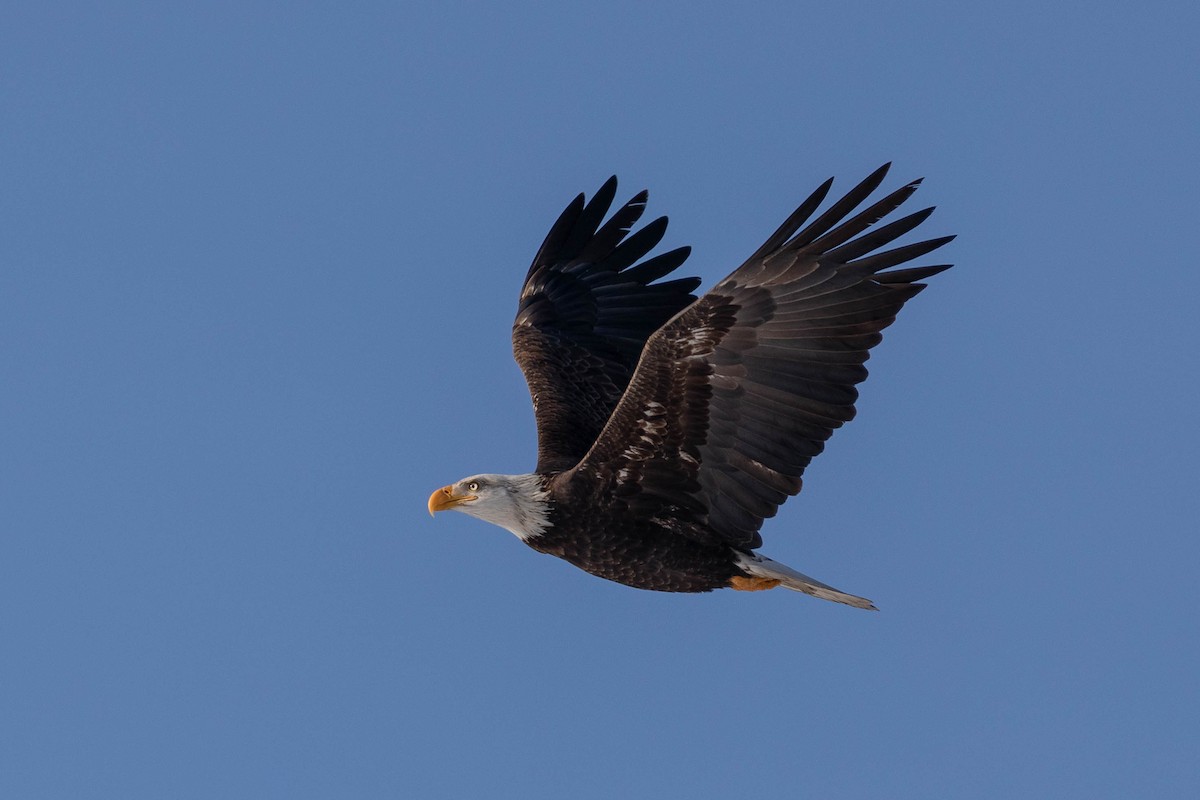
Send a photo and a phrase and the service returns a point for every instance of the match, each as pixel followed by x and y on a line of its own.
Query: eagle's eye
pixel 473 486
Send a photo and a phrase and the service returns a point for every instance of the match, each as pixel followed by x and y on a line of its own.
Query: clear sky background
pixel 258 264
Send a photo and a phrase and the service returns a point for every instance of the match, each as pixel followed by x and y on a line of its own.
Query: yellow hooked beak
pixel 445 498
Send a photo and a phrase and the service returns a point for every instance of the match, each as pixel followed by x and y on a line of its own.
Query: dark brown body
pixel 660 554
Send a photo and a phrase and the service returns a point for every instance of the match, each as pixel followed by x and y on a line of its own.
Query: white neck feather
pixel 531 511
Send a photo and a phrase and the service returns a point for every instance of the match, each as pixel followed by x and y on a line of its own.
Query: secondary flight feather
pixel 671 426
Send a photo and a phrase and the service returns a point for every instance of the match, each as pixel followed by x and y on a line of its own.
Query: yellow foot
pixel 752 583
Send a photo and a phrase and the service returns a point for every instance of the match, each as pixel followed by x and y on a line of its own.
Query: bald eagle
pixel 670 426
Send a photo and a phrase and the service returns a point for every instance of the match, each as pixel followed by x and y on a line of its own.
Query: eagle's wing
pixel 585 313
pixel 734 396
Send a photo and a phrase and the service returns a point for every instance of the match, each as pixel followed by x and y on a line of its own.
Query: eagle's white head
pixel 517 503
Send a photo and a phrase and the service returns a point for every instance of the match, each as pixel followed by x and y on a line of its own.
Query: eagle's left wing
pixel 734 396
pixel 585 313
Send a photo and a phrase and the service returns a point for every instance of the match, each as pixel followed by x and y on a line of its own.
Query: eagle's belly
pixel 639 553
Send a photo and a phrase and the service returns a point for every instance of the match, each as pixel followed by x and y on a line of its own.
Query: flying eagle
pixel 671 426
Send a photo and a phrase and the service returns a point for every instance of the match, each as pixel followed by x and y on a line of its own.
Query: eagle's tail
pixel 772 573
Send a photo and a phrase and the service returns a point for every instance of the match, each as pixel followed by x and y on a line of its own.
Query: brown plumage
pixel 670 427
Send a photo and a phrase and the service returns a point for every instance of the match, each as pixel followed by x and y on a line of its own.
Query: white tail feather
pixel 763 567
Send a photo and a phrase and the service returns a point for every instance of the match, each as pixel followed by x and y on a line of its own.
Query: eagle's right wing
pixel 585 313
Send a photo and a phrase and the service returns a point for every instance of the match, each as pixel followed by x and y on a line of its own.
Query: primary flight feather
pixel 670 427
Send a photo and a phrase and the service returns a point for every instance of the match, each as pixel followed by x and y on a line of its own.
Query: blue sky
pixel 257 271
